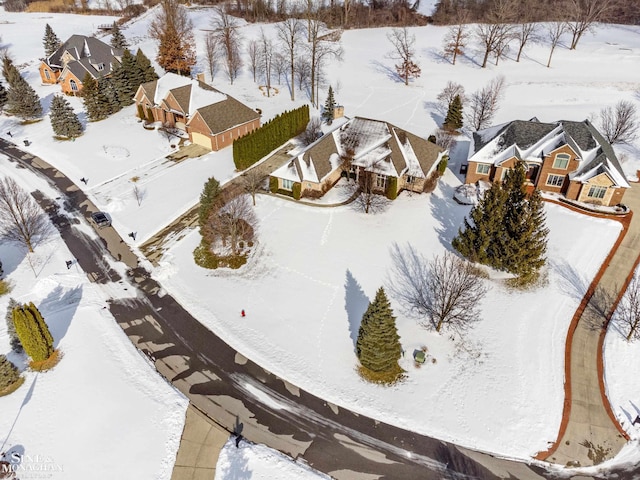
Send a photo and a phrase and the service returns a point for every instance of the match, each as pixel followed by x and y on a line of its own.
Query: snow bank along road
pixel 246 399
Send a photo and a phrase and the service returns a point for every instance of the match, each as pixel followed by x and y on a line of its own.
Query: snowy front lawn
pixel 305 290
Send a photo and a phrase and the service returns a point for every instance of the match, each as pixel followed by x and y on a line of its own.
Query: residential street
pixel 243 397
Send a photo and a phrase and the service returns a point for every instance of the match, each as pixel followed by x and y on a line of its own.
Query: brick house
pixel 365 147
pixel 76 57
pixel 568 158
pixel 211 118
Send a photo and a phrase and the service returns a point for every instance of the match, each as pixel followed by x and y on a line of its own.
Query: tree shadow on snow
pixel 390 73
pixel 61 305
pixel 435 111
pixel 355 303
pixel 442 210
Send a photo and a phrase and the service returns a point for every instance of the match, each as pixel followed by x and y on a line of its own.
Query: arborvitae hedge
pixel 442 165
pixel 296 190
pixel 249 149
pixel 392 188
pixel 33 332
pixel 273 184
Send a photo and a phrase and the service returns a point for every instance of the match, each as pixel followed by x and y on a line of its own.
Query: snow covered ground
pixel 502 389
pixel 103 406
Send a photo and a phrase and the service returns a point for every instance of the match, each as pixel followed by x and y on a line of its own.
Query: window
pixel 561 161
pixel 410 179
pixel 555 180
pixel 287 184
pixel 503 175
pixel 100 66
pixel 381 181
pixel 74 85
pixel 46 74
pixel 483 168
pixel 596 192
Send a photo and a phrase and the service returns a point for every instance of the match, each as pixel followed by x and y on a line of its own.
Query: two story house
pixel 564 157
pixel 76 57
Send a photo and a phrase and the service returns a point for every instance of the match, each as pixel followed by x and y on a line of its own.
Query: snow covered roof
pixel 532 140
pixel 375 145
pixel 193 93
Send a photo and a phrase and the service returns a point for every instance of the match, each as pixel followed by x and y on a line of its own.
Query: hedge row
pixel 249 149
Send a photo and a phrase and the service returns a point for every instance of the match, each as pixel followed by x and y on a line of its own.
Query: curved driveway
pixel 243 397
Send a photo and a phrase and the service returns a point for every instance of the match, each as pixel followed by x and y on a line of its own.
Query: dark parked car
pixel 101 219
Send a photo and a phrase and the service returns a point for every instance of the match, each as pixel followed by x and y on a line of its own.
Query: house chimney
pixel 200 77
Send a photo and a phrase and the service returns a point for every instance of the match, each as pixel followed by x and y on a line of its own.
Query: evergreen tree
pixel 378 345
pixel 9 71
pixel 14 341
pixel 23 101
pixel 3 96
pixel 147 71
pixel 126 79
pixel 33 332
pixel 9 374
pixel 50 41
pixel 94 102
pixel 64 121
pixel 208 197
pixel 453 120
pixel 118 41
pixel 329 107
pixel 507 229
pixel 108 96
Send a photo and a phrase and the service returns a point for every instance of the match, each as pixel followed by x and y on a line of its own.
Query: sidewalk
pixel 589 432
pixel 200 447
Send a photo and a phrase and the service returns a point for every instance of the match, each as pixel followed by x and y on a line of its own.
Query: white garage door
pixel 201 139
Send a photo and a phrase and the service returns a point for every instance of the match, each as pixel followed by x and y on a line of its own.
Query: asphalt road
pixel 246 399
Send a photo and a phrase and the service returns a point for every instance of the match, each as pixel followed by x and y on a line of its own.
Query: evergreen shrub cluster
pixel 252 147
pixel 392 188
pixel 33 332
pixel 273 185
pixel 296 190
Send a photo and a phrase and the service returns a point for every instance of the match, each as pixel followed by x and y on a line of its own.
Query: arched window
pixel 74 85
pixel 561 161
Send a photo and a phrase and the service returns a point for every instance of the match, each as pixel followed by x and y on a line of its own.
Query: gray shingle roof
pixel 87 51
pixel 320 153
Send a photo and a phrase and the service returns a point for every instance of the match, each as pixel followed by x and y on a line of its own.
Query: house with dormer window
pixel 76 57
pixel 569 158
pixel 362 148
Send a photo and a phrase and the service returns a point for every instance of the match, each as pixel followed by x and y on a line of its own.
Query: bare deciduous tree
pixel 456 37
pixel 448 93
pixel 404 51
pixel 303 71
pixel 619 124
pixel 252 51
pixel 139 193
pixel 583 14
pixel 290 32
pixel 627 315
pixel 313 131
pixel 266 64
pixel 252 181
pixel 442 292
pixel 22 221
pixel 555 30
pixel 233 222
pixel 228 35
pixel 212 53
pixel 526 30
pixel 497 31
pixel 280 66
pixel 484 103
pixel 444 138
pixel 320 48
pixel 372 197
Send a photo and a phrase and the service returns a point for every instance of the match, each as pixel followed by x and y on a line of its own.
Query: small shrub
pixel 392 188
pixel 234 262
pixel 273 184
pixel 141 112
pixel 442 165
pixel 311 193
pixel 296 190
pixel 204 257
pixel 5 287
pixel 9 374
pixel 431 138
pixel 431 182
pixel 48 364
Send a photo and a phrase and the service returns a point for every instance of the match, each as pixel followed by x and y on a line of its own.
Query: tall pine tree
pixel 126 79
pixel 9 374
pixel 33 332
pixel 147 71
pixel 378 345
pixel 176 53
pixel 118 40
pixel 329 107
pixel 23 101
pixel 50 41
pixel 453 120
pixel 64 121
pixel 507 230
pixel 93 100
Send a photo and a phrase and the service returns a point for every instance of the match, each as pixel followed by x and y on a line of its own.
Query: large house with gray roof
pixel 76 57
pixel 568 158
pixel 384 154
pixel 211 118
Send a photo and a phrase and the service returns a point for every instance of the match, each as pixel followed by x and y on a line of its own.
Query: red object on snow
pixel 242 313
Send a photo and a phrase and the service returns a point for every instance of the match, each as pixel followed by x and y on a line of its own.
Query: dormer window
pixel 561 161
pixel 100 67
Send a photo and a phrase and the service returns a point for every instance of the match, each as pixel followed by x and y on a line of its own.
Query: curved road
pixel 243 397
